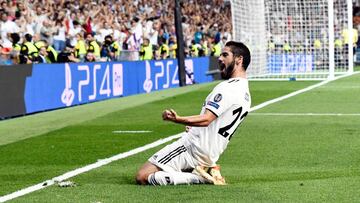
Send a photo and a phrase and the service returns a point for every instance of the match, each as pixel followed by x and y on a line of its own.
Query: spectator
pixel 73 31
pixel 137 32
pixel 110 49
pixel 46 32
pixel 164 51
pixel 93 46
pixel 28 50
pixel 43 55
pixel 90 57
pixel 67 55
pixel 80 47
pixel 203 49
pixel 146 52
pixel 6 27
pixel 172 46
pixel 39 18
pixel 198 34
pixel 104 31
pixel 5 58
pixel 60 22
pixel 154 33
pixel 59 37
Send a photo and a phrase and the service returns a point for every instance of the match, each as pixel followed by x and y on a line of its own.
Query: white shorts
pixel 175 157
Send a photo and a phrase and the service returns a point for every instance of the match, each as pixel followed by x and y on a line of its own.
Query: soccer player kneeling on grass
pixel 192 159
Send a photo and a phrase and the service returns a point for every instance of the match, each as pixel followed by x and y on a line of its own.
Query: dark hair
pixel 15 37
pixel 136 19
pixel 163 40
pixel 108 37
pixel 89 33
pixel 240 49
pixel 28 37
pixel 63 57
pixel 183 19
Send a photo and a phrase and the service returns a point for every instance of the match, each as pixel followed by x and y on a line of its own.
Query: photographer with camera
pixel 110 50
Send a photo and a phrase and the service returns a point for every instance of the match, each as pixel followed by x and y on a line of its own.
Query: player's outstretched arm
pixel 202 120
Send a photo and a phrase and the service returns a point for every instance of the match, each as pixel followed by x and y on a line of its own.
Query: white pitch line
pixel 262 105
pixel 305 114
pixel 132 131
pixel 84 169
pixel 103 162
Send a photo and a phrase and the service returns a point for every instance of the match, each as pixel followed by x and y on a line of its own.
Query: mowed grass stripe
pixel 335 97
pixel 42 157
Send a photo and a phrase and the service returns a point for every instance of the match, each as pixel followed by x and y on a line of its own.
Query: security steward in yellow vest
pixel 317 44
pixel 345 34
pixel 172 46
pixel 80 47
pixel 203 51
pixel 146 52
pixel 194 51
pixel 116 49
pixel 286 47
pixel 15 38
pixel 172 49
pixel 216 49
pixel 52 53
pixel 40 44
pixel 28 50
pixel 16 47
pixel 338 44
pixel 93 46
pixel 164 49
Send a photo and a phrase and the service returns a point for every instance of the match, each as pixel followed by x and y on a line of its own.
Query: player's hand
pixel 169 115
pixel 165 114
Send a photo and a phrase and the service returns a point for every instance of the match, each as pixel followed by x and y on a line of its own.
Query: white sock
pixel 174 178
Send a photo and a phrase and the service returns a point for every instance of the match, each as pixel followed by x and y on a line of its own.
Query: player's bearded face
pixel 226 71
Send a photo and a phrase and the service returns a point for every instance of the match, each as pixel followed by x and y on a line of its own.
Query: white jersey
pixel 230 101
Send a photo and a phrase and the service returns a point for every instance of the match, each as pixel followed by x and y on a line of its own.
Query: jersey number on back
pixel 225 131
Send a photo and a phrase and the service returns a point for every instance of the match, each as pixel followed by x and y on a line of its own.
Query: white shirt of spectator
pixel 30 28
pixel 148 9
pixel 116 34
pixel 122 38
pixel 61 34
pixel 38 20
pixel 131 43
pixel 147 28
pixel 73 32
pixel 5 28
pixel 138 33
pixel 153 36
pixel 103 32
pixel 227 35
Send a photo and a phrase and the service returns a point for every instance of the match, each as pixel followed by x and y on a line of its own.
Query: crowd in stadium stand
pixel 50 31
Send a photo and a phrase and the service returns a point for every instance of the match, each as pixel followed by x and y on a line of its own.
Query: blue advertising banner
pixel 52 86
pixel 290 63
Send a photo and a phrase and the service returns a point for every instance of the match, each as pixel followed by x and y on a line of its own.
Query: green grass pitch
pixel 270 158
